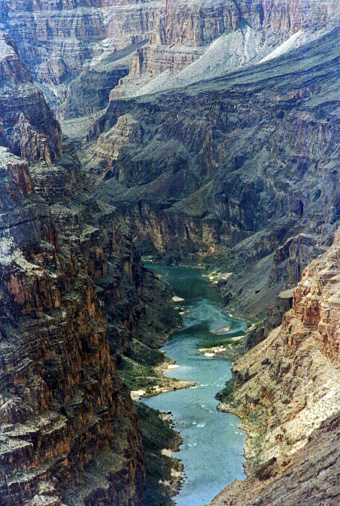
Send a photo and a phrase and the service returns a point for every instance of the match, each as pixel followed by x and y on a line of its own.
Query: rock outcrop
pixel 72 44
pixel 62 403
pixel 74 299
pixel 62 41
pixel 286 391
pixel 220 37
pixel 230 163
pixel 28 127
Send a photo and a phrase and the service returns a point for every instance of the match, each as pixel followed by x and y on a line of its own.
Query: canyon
pixel 194 131
pixel 74 299
pixel 286 390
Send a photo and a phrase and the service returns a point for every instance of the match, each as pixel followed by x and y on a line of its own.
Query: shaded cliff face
pixel 74 297
pixel 286 388
pixel 62 40
pixel 243 162
pixel 28 127
pixel 62 402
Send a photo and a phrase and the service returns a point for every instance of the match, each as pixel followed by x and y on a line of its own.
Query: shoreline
pixel 228 351
pixel 167 384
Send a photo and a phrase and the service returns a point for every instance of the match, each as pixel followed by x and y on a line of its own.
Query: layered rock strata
pixel 286 391
pixel 61 41
pixel 71 44
pixel 74 298
pixel 242 33
pixel 230 164
pixel 28 127
pixel 62 401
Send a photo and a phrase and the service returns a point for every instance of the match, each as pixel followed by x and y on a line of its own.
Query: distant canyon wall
pixel 241 164
pixel 64 40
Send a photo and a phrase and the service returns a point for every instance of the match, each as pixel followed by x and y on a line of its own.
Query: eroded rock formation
pixel 61 41
pixel 74 298
pixel 72 44
pixel 286 390
pixel 230 163
pixel 62 401
pixel 28 127
pixel 244 164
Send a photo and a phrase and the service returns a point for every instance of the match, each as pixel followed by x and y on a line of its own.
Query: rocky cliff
pixel 69 45
pixel 75 299
pixel 28 127
pixel 63 40
pixel 241 164
pixel 286 391
pixel 213 38
pixel 65 413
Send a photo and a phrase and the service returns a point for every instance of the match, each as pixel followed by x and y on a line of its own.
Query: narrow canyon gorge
pixel 188 132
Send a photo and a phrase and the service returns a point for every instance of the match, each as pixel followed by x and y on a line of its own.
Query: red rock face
pixel 59 39
pixel 195 23
pixel 289 16
pixel 68 428
pixel 62 403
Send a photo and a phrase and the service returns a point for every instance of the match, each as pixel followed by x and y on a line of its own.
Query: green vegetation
pixel 227 393
pixel 136 375
pixel 157 435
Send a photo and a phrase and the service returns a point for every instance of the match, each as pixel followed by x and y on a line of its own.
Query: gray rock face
pixel 61 40
pixel 242 162
pixel 65 40
pixel 245 150
pixel 28 126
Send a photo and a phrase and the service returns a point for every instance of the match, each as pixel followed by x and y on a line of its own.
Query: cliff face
pixel 230 163
pixel 74 297
pixel 286 391
pixel 72 44
pixel 28 127
pixel 213 38
pixel 290 15
pixel 62 40
pixel 62 403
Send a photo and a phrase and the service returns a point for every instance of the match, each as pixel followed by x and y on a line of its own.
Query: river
pixel 212 449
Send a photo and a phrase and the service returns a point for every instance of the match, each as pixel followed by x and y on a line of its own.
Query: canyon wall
pixel 61 40
pixel 286 391
pixel 241 164
pixel 125 45
pixel 242 33
pixel 74 298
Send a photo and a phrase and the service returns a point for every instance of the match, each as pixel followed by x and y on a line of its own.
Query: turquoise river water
pixel 212 449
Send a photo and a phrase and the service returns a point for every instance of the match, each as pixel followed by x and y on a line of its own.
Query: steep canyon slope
pixel 79 50
pixel 245 164
pixel 287 392
pixel 74 298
